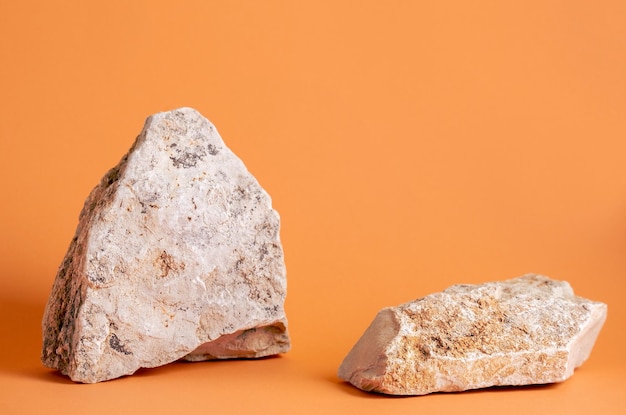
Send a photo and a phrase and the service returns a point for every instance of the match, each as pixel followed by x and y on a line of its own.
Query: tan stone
pixel 528 330
pixel 177 255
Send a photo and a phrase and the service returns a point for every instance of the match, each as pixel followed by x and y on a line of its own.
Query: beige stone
pixel 177 255
pixel 528 330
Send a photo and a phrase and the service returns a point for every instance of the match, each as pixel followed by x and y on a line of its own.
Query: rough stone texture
pixel 528 330
pixel 177 255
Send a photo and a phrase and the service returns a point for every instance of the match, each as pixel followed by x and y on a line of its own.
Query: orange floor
pixel 408 146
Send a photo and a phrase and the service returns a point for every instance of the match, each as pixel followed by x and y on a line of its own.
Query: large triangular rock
pixel 177 255
pixel 528 330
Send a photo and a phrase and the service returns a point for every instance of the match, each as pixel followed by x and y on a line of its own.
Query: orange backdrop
pixel 408 146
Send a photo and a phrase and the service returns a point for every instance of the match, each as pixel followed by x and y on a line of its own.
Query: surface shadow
pixel 51 376
pixel 20 325
pixel 185 365
pixel 54 376
pixel 349 389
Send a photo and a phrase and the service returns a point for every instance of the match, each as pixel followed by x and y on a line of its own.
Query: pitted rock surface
pixel 177 255
pixel 528 330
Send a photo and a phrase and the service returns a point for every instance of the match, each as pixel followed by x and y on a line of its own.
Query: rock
pixel 528 330
pixel 177 255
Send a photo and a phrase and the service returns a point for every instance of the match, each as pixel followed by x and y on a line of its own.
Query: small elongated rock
pixel 528 330
pixel 177 255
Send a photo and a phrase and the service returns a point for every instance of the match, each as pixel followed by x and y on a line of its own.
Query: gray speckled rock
pixel 528 330
pixel 177 255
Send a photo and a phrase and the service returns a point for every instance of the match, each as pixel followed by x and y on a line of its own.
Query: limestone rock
pixel 177 255
pixel 528 330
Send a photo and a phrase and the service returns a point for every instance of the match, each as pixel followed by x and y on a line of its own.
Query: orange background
pixel 407 145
